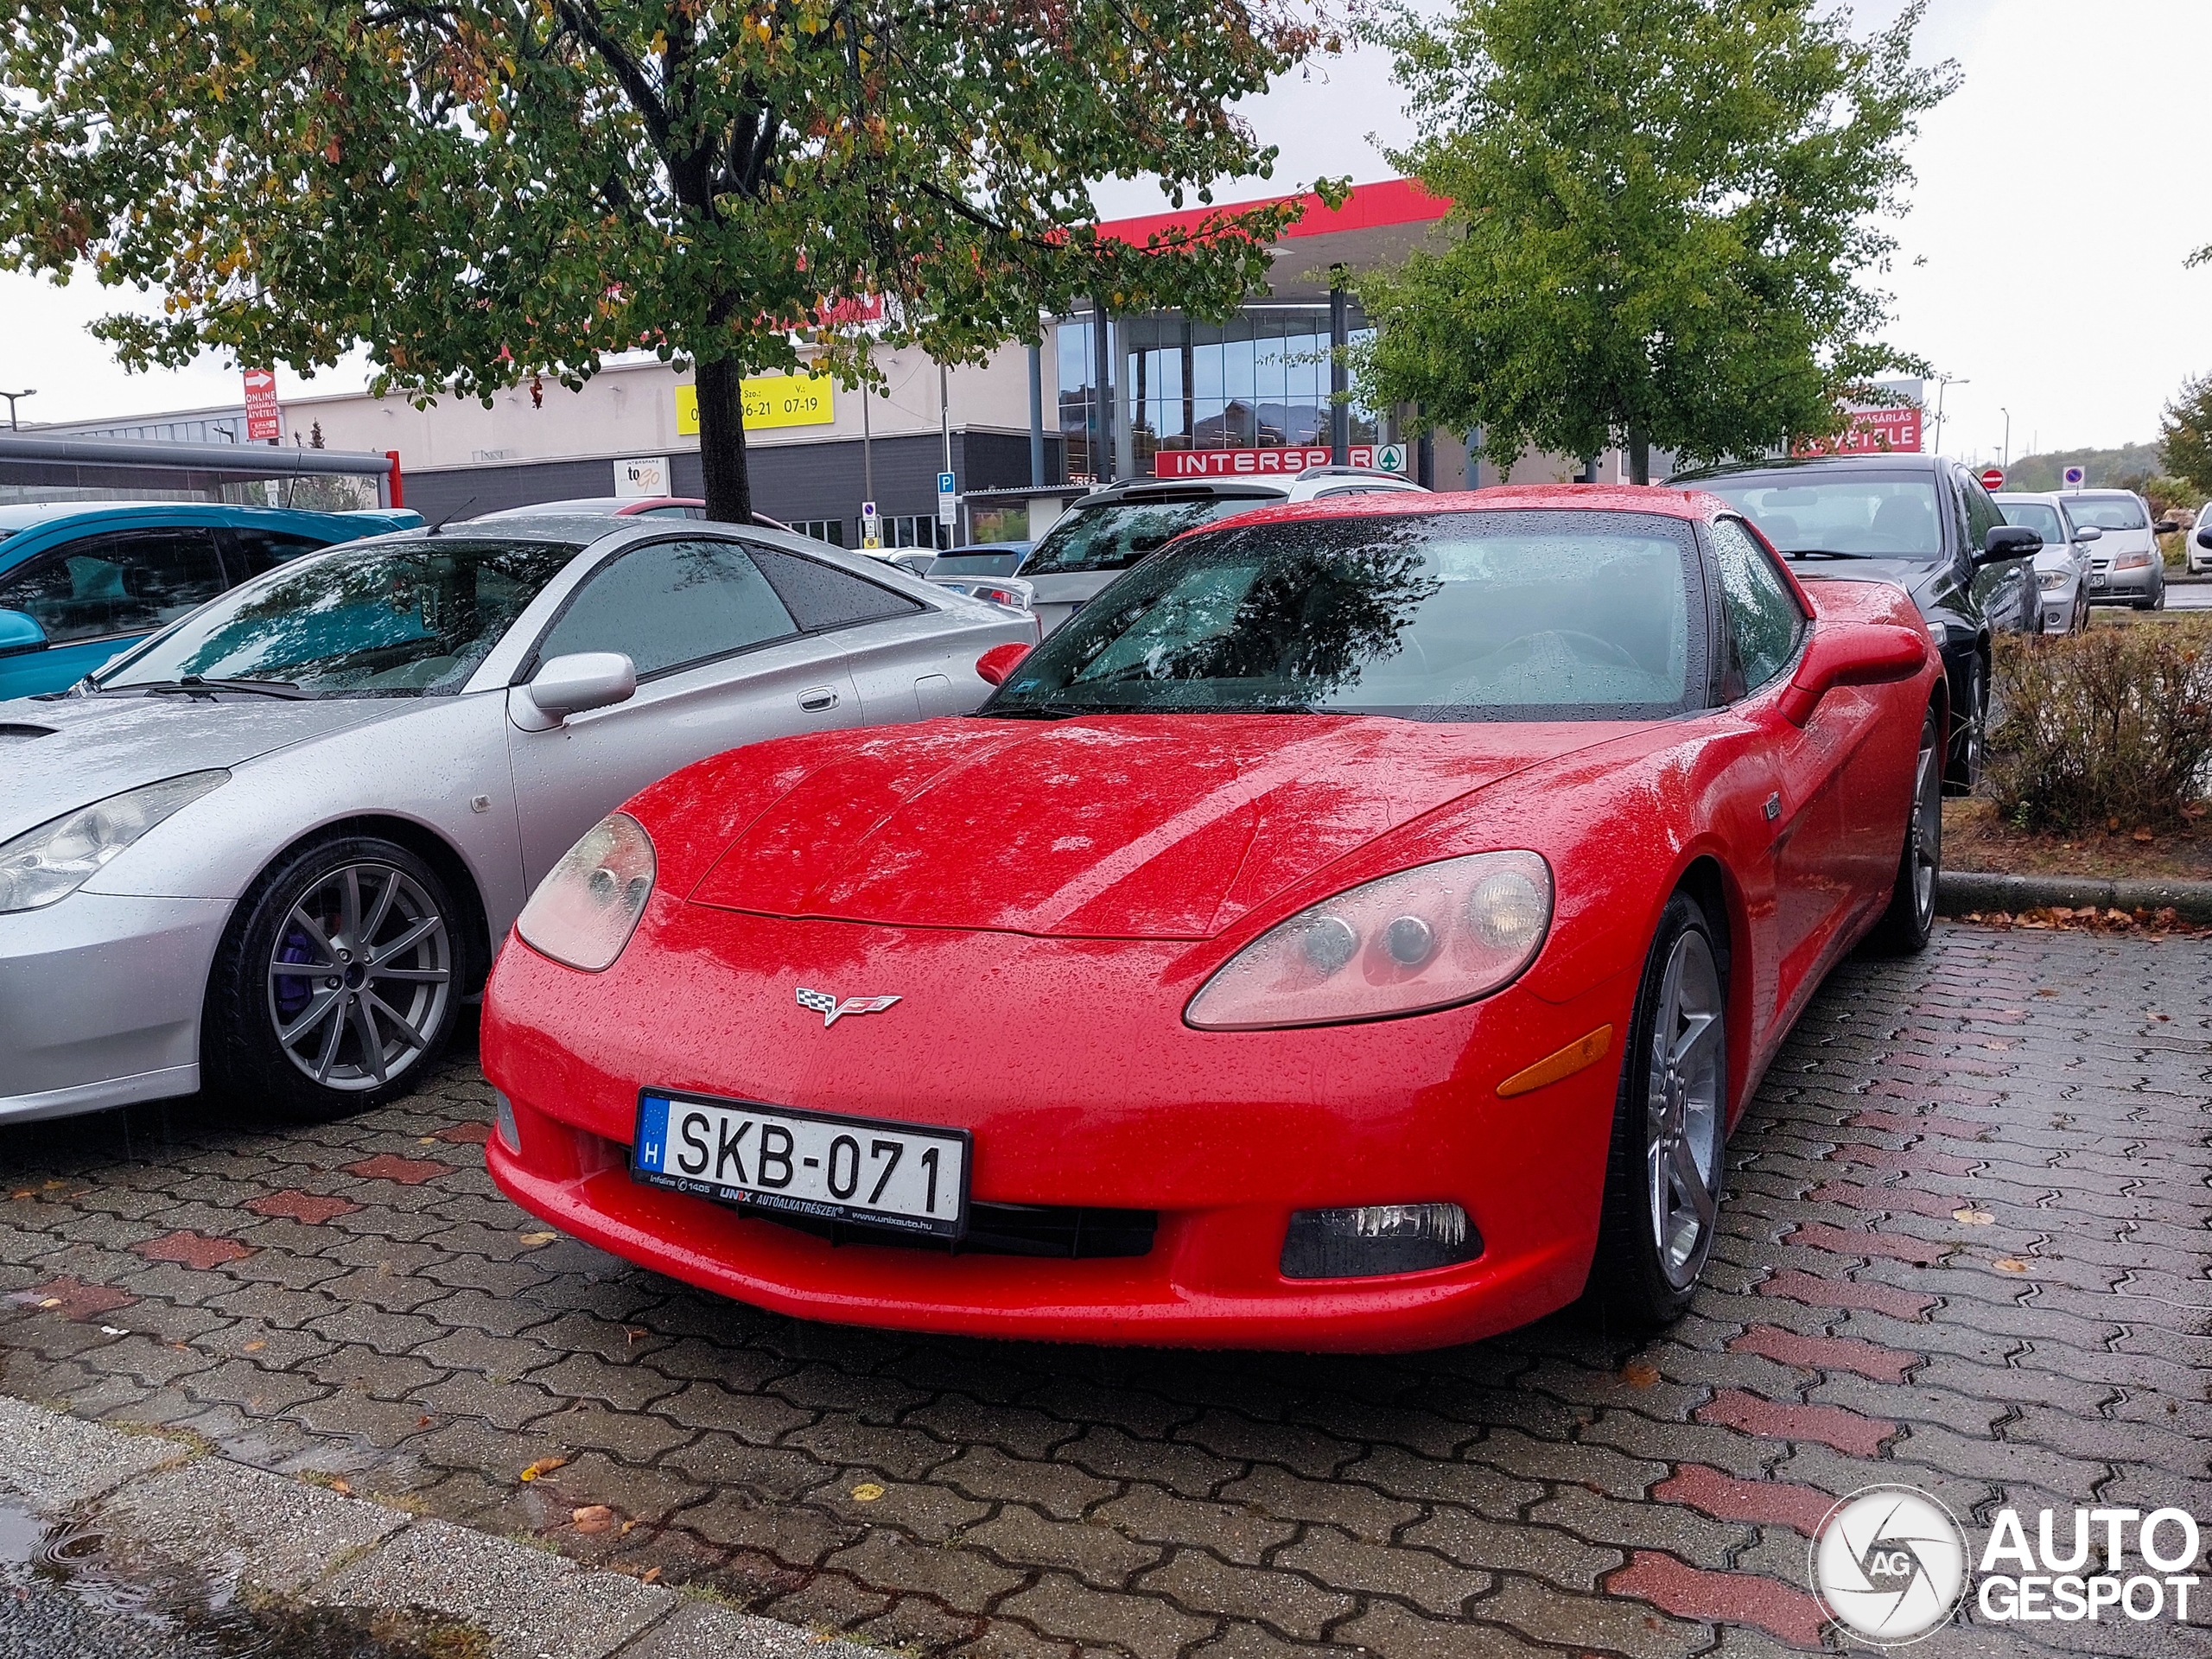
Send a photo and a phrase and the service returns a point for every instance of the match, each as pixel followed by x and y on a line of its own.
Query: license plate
pixel 899 1176
pixel 2097 581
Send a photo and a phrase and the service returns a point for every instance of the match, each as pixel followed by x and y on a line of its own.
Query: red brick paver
pixel 1816 1292
pixel 313 1208
pixel 1818 1236
pixel 191 1249
pixel 408 1172
pixel 1825 1353
pixel 1845 1430
pixel 72 1299
pixel 1725 1498
pixel 1732 1598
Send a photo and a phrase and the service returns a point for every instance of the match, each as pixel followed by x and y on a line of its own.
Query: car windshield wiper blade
pixel 194 685
pixel 1821 553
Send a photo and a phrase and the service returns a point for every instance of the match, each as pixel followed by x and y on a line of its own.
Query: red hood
pixel 1123 827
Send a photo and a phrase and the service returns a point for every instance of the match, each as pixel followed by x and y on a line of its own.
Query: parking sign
pixel 947 510
pixel 2074 477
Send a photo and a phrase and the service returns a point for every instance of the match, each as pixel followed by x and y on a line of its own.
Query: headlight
pixel 2131 562
pixel 585 910
pixel 1424 939
pixel 52 862
pixel 2048 580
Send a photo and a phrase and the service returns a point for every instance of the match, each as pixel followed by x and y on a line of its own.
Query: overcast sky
pixel 2059 192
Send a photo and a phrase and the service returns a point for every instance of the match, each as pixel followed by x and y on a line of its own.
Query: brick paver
pixel 1965 1247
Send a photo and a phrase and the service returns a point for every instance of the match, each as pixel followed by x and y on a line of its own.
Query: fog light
pixel 502 1120
pixel 1377 1239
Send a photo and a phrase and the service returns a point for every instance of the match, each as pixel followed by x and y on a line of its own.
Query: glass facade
pixel 1259 380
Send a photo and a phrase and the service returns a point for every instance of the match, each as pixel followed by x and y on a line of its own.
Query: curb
pixel 246 1528
pixel 1959 892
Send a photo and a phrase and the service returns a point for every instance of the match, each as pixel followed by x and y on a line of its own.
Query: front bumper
pixel 100 997
pixel 1223 1134
pixel 2123 587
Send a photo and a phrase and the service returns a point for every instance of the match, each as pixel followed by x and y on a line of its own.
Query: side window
pixel 256 550
pixel 821 597
pixel 670 604
pixel 1763 620
pixel 126 582
pixel 1983 515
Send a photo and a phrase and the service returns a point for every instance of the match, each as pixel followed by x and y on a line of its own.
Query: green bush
pixel 2115 723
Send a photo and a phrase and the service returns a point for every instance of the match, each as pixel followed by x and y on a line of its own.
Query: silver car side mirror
pixel 570 685
pixel 2087 533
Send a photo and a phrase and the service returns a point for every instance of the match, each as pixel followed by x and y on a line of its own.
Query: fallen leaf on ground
pixel 255 1347
pixel 1639 1374
pixel 592 1518
pixel 867 1492
pixel 51 1302
pixel 653 1575
pixel 539 1238
pixel 2011 1264
pixel 1972 1217
pixel 544 1467
pixel 342 1489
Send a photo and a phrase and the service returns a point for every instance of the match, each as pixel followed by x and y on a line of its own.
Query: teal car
pixel 80 580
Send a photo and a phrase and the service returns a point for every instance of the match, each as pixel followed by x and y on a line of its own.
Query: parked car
pixel 81 580
pixel 2062 566
pixel 1923 522
pixel 612 507
pixel 2125 566
pixel 1105 532
pixel 2199 553
pixel 981 559
pixel 1412 892
pixel 271 847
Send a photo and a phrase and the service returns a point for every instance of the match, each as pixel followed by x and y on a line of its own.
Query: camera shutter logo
pixel 1889 1564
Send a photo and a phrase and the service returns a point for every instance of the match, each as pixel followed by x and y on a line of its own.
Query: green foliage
pixel 2185 433
pixel 484 189
pixel 2113 724
pixel 2102 469
pixel 1663 212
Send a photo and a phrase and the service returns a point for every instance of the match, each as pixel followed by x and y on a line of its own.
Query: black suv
pixel 1920 521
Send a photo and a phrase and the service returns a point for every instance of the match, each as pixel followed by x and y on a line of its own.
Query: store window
pixel 831 530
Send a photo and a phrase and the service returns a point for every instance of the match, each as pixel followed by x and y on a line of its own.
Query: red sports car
pixel 1356 929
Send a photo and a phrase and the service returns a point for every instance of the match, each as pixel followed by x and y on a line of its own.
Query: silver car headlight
pixel 48 863
pixel 585 910
pixel 2048 580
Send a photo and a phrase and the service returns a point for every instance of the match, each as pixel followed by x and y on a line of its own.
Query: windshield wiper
pixel 1821 553
pixel 195 685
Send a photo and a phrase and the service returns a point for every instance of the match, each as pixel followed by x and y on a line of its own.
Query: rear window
pixel 1810 513
pixel 2107 511
pixel 976 565
pixel 2039 516
pixel 1115 536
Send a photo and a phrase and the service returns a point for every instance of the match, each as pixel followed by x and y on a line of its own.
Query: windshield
pixel 1115 538
pixel 2039 516
pixel 976 565
pixel 2107 511
pixel 1841 512
pixel 399 620
pixel 1528 615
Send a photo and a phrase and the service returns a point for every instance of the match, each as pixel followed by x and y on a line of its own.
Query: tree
pixel 483 190
pixel 1663 211
pixel 2185 433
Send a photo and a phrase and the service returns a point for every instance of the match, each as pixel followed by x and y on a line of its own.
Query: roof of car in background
pixel 1573 498
pixel 21 515
pixel 1886 460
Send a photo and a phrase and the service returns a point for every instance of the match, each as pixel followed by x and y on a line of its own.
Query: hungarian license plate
pixel 2097 579
pixel 900 1176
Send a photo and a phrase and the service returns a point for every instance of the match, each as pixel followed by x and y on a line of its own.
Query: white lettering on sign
pixel 1229 463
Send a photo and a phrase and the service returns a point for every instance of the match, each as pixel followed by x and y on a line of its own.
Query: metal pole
pixel 11 396
pixel 1339 376
pixel 944 430
pixel 868 444
pixel 1102 453
pixel 2007 414
pixel 1036 417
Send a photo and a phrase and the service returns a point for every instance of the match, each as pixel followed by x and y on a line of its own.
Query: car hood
pixel 1924 579
pixel 1115 827
pixel 58 756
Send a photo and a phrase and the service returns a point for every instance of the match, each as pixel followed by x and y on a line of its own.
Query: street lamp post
pixel 2007 462
pixel 1944 384
pixel 11 396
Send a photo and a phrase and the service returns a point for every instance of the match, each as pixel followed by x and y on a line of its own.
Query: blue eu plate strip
pixel 653 1135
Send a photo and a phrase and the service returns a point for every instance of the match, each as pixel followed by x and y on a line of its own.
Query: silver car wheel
pixel 359 976
pixel 1926 832
pixel 1683 1109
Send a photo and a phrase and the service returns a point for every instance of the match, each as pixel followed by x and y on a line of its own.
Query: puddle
pixel 65 1592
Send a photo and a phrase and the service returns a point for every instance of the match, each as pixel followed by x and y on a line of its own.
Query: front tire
pixel 338 982
pixel 1663 1174
pixel 1906 925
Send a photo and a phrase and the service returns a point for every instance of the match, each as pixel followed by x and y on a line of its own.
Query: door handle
pixel 815 699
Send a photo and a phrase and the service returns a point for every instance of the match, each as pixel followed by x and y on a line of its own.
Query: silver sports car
pixel 273 846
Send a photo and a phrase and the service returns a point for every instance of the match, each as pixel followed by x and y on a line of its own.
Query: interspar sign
pixel 1248 463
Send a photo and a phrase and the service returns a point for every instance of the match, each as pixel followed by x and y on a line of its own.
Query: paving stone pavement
pixel 1967 1246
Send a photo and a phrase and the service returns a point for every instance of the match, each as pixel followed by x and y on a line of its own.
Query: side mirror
pixel 1852 653
pixel 2087 533
pixel 994 664
pixel 570 685
pixel 2166 526
pixel 2008 541
pixel 20 632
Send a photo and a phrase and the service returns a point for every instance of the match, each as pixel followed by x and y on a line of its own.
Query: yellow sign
pixel 770 400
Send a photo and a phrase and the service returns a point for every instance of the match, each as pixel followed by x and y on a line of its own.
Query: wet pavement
pixel 1966 1248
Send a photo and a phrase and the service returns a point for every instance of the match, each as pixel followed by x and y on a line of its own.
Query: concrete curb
pixel 246 1527
pixel 1959 892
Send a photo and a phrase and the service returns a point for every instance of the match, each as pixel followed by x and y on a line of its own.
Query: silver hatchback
pixel 2125 565
pixel 275 844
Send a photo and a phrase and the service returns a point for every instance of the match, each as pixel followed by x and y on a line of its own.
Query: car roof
pixel 2050 497
pixel 1888 460
pixel 1528 498
pixel 1184 489
pixel 27 515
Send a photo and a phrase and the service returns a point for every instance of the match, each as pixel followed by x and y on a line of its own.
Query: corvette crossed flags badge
pixel 832 1010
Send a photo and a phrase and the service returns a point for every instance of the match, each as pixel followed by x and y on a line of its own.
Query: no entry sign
pixel 1992 478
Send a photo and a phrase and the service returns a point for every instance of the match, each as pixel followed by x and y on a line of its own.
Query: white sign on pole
pixel 1391 457
pixel 2074 477
pixel 871 525
pixel 947 500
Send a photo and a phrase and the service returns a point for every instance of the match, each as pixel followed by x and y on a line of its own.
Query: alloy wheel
pixel 1926 831
pixel 359 977
pixel 1684 1108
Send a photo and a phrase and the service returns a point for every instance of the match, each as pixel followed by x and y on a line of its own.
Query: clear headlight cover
pixel 2048 580
pixel 1423 938
pixel 585 910
pixel 52 862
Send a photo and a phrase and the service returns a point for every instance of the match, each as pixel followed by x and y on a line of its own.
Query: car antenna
pixel 439 528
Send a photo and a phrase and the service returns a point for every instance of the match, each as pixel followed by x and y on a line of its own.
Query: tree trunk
pixel 1639 456
pixel 721 442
